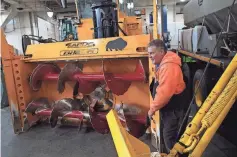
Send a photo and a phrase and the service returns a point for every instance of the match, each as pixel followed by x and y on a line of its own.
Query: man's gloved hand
pixel 148 122
pixel 150 114
pixel 149 118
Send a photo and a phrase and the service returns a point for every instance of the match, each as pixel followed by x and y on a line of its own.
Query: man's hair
pixel 158 44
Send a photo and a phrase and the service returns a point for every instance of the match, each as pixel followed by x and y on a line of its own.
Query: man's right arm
pixel 167 85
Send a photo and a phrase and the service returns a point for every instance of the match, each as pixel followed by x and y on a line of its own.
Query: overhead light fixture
pixel 121 1
pixel 50 14
pixel 131 5
pixel 128 6
pixel 182 0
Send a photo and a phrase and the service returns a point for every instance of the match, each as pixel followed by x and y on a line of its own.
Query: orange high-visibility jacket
pixel 170 78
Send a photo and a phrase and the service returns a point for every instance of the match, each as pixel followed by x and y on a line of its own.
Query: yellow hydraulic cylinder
pixel 210 132
pixel 193 128
pixel 195 125
pixel 217 108
pixel 220 104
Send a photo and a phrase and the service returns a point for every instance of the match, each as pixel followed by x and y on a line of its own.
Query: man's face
pixel 155 54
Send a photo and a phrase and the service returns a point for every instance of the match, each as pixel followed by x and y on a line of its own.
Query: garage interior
pixel 59 21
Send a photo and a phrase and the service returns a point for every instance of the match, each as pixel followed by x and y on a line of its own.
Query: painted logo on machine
pixel 200 2
pixel 78 52
pixel 80 44
pixel 117 45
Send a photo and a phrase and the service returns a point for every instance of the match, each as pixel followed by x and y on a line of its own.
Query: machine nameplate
pixel 78 52
pixel 80 44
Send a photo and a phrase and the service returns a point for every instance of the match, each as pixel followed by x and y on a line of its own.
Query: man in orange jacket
pixel 169 97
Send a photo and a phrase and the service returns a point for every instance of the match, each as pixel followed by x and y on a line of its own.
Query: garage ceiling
pixel 57 6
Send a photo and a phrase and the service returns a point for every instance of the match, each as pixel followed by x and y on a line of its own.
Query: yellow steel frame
pixel 87 49
pixel 155 20
pixel 126 145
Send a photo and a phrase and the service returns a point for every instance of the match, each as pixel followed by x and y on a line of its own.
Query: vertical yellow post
pixel 155 20
pixel 155 127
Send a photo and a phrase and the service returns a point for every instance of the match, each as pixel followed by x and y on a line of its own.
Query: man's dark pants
pixel 171 118
pixel 170 125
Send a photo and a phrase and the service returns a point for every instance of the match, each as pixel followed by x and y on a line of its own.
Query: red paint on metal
pixel 46 112
pixel 73 114
pixel 88 82
pixel 40 72
pixel 117 87
pixel 136 124
pixel 89 76
pixel 87 87
pixel 51 77
pixel 117 83
pixel 99 122
pixel 138 75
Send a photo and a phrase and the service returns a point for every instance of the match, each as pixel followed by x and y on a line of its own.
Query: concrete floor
pixel 43 141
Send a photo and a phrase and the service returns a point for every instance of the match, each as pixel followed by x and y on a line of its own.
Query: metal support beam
pixel 217 20
pixel 12 1
pixel 228 24
pixel 78 12
pixel 233 18
pixel 65 10
pixel 10 16
pixel 26 7
pixel 162 17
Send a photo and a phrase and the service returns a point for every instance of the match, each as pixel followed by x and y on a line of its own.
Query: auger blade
pixel 86 87
pixel 118 87
pixel 132 118
pixel 71 122
pixel 119 83
pixel 37 105
pixel 60 108
pixel 131 110
pixel 99 122
pixel 136 124
pixel 103 104
pixel 39 73
pixel 65 108
pixel 67 74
